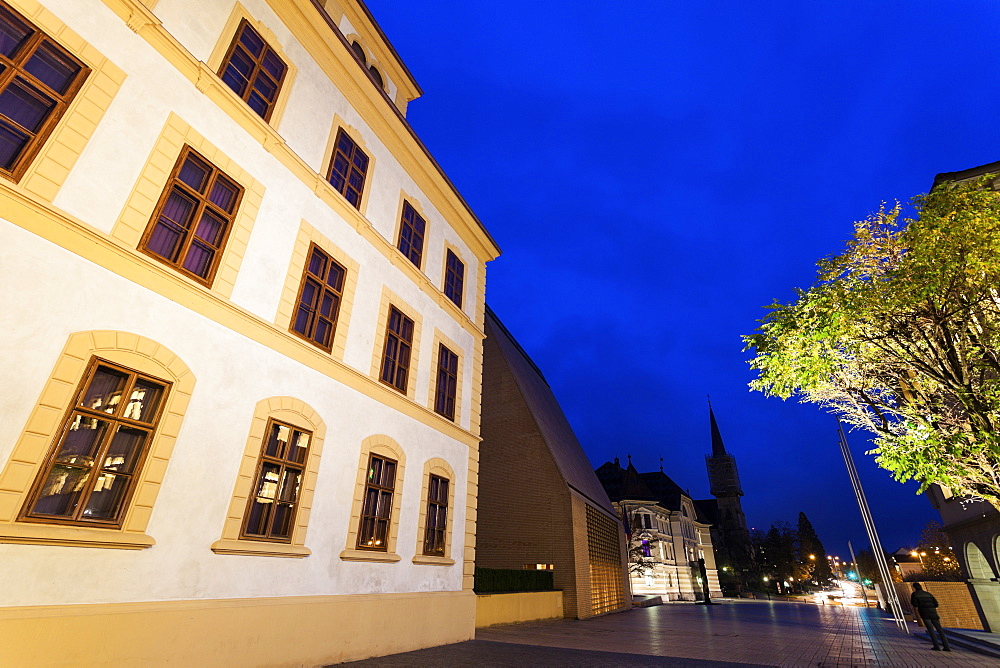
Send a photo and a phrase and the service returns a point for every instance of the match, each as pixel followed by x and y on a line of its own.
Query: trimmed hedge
pixel 495 580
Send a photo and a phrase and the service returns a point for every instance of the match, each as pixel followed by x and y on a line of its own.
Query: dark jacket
pixel 924 604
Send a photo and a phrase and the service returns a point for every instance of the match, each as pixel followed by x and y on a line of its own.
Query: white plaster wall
pixel 98 187
pixel 233 373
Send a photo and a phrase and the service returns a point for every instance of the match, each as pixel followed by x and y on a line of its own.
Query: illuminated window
pixel 437 516
pixel 447 383
pixel 193 218
pixel 396 352
pixel 253 70
pixel 411 234
pixel 348 168
pixel 454 278
pixel 319 299
pixel 38 81
pixel 271 508
pixel 376 510
pixel 90 472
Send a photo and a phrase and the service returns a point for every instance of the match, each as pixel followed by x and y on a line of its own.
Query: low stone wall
pixel 955 605
pixel 526 606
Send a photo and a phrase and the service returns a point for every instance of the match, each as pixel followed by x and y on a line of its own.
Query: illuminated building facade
pixel 667 534
pixel 242 340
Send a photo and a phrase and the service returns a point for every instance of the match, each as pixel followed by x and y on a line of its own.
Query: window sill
pixel 365 555
pixel 260 549
pixel 430 560
pixel 51 534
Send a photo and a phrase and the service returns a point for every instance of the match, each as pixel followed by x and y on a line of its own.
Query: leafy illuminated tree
pixel 900 335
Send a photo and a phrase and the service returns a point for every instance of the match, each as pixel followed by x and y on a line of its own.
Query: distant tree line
pixel 786 559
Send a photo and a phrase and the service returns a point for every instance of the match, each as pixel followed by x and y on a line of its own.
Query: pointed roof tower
pixel 718 447
pixel 723 478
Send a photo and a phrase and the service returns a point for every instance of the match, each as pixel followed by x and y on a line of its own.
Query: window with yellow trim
pixel 376 513
pixel 253 70
pixel 91 469
pixel 38 81
pixel 436 529
pixel 193 218
pixel 272 507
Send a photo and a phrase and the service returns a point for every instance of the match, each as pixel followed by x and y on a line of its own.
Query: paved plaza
pixel 737 633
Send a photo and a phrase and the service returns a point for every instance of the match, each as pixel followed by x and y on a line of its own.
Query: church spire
pixel 718 447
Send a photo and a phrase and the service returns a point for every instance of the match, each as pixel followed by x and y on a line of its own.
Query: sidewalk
pixel 754 633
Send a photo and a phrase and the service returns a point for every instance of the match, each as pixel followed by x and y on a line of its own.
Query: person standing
pixel 925 605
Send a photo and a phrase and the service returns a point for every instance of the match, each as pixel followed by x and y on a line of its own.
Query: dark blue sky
pixel 657 172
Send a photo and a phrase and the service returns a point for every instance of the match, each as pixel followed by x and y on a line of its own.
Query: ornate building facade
pixel 242 340
pixel 667 536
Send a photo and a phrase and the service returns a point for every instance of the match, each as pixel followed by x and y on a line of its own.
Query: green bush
pixel 493 580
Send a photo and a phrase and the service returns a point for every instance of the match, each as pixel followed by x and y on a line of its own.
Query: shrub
pixel 493 580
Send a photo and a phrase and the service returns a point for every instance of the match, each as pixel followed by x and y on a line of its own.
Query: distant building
pixel 729 525
pixel 667 535
pixel 540 505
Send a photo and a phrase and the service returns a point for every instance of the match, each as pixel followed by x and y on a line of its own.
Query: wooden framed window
pixel 38 81
pixel 275 497
pixel 396 353
pixel 376 510
pixel 253 70
pixel 411 234
pixel 454 278
pixel 89 474
pixel 348 168
pixel 193 218
pixel 437 516
pixel 447 383
pixel 319 299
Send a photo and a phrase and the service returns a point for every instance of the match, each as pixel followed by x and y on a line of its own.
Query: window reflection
pixel 271 512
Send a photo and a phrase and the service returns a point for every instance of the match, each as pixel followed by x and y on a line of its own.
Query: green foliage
pixel 900 335
pixel 494 580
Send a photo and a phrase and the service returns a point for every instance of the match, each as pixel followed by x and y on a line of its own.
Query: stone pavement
pixel 734 633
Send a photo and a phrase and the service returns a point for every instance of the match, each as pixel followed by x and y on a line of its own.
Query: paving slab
pixel 736 633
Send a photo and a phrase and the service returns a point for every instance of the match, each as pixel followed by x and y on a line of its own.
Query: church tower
pixel 724 485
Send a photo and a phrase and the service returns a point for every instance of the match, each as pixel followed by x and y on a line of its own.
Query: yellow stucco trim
pixel 439 338
pixel 30 213
pixel 405 198
pixel 298 414
pixel 138 210
pixel 379 444
pixel 465 276
pixel 333 58
pixel 315 630
pixel 145 23
pixel 238 14
pixel 376 51
pixel 471 515
pixel 389 298
pixel 325 190
pixel 50 168
pixel 293 281
pixel 441 468
pixel 36 439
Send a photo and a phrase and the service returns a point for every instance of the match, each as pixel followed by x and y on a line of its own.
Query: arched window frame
pixel 30 453
pixel 298 414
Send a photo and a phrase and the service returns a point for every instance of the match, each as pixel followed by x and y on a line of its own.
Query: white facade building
pixel 241 340
pixel 668 538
